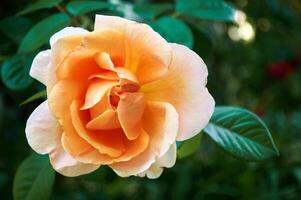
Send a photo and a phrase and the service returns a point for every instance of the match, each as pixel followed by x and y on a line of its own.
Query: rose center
pixel 125 86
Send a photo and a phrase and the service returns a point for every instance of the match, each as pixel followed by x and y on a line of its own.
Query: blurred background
pixel 253 53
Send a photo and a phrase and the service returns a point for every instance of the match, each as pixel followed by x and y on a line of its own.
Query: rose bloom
pixel 120 96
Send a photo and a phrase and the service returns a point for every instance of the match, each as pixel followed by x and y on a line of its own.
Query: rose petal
pixel 106 121
pixel 78 65
pixel 64 164
pixel 42 130
pixel 125 74
pixel 136 165
pixel 96 91
pixel 134 147
pixel 68 31
pixel 107 75
pixel 160 120
pixel 62 43
pixel 127 81
pixel 100 107
pixel 89 156
pixel 79 148
pixel 168 160
pixel 40 66
pixel 104 22
pixel 60 99
pixel 148 55
pixel 184 87
pixel 130 110
pixel 59 51
pixel 109 41
pixel 110 142
pixel 62 95
pixel 104 61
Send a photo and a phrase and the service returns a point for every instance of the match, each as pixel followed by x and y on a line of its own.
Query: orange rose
pixel 119 96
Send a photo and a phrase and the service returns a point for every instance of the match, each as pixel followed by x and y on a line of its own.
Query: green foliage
pixel 190 146
pixel 34 179
pixel 206 9
pixel 17 25
pixel 84 7
pixel 151 11
pixel 238 75
pixel 34 97
pixel 40 33
pixel 14 72
pixel 41 4
pixel 241 133
pixel 174 30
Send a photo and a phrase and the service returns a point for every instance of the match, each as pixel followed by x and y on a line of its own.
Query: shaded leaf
pixel 15 72
pixel 150 11
pixel 39 5
pixel 205 38
pixel 34 179
pixel 36 96
pixel 174 30
pixel 83 7
pixel 241 133
pixel 206 9
pixel 190 146
pixel 116 12
pixel 15 27
pixel 40 33
pixel 179 144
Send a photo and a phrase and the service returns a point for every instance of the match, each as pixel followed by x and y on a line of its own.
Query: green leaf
pixel 39 5
pixel 206 38
pixel 40 33
pixel 150 11
pixel 190 146
pixel 83 7
pixel 206 9
pixel 241 133
pixel 15 72
pixel 113 12
pixel 36 96
pixel 15 27
pixel 179 144
pixel 34 179
pixel 173 30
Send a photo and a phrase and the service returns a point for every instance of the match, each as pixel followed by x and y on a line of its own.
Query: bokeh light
pixel 243 30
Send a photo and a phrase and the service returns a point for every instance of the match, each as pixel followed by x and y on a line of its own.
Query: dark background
pixel 263 75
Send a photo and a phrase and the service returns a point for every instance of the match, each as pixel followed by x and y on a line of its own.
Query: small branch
pixel 61 9
pixel 176 14
pixel 73 18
